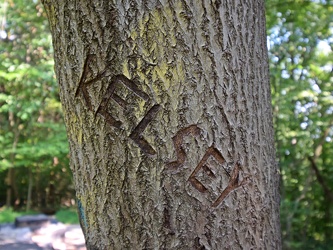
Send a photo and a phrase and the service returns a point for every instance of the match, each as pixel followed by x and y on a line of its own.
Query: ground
pixel 50 236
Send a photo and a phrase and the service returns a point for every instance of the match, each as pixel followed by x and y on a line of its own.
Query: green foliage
pixel 301 62
pixel 8 215
pixel 68 216
pixel 32 133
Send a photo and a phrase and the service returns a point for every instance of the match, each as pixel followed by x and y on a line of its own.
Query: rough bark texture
pixel 167 107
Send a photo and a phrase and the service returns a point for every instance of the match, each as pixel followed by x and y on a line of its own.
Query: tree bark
pixel 168 113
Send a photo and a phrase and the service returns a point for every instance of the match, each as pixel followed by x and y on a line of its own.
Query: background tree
pixel 33 146
pixel 301 42
pixel 168 113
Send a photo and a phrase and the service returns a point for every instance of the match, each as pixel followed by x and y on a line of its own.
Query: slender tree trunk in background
pixel 11 193
pixel 30 186
pixel 10 182
pixel 169 120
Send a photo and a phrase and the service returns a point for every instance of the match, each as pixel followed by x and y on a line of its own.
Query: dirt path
pixel 52 236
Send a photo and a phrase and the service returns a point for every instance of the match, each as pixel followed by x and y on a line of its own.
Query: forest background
pixel 34 161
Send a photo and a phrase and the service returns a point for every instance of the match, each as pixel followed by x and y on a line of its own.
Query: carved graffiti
pixel 234 183
pixel 178 139
pixel 110 94
pixel 211 154
pixel 83 83
pixel 211 169
pixel 136 135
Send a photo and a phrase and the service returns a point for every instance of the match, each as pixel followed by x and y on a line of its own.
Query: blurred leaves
pixel 32 132
pixel 300 39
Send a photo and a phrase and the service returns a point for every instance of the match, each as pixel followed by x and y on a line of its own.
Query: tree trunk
pixel 169 121
pixel 11 193
pixel 30 186
pixel 10 182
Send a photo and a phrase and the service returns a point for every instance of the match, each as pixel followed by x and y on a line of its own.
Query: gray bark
pixel 169 121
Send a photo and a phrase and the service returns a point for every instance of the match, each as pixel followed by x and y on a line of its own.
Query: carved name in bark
pixel 178 141
pixel 211 152
pixel 234 179
pixel 136 134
